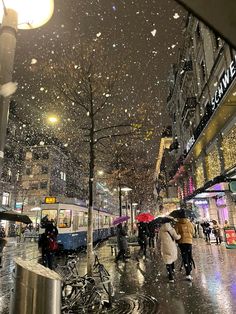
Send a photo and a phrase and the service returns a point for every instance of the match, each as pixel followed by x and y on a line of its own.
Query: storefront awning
pixel 211 188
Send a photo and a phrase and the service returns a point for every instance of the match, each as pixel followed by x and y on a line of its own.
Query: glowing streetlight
pixel 14 14
pixel 30 14
pixel 53 119
pixel 100 172
pixel 126 189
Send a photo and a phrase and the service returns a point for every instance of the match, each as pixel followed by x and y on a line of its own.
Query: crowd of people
pixel 172 235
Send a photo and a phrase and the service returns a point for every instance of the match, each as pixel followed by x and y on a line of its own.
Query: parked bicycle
pixel 83 293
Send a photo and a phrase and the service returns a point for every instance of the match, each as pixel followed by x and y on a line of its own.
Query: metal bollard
pixel 37 289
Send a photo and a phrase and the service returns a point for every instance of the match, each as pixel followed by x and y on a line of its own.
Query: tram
pixel 71 219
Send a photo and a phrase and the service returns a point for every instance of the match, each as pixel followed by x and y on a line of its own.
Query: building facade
pixel 202 106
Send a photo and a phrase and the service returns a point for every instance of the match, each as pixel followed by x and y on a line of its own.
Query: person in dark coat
pixel 2 243
pixel 152 235
pixel 207 231
pixel 121 243
pixel 47 243
pixel 143 234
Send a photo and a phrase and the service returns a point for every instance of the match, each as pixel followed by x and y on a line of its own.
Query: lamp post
pixel 16 14
pixel 125 189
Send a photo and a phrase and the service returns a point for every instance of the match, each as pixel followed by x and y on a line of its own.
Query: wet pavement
pixel 143 287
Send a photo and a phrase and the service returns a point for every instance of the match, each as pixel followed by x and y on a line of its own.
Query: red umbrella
pixel 145 217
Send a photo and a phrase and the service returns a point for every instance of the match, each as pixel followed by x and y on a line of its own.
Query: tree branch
pixel 112 127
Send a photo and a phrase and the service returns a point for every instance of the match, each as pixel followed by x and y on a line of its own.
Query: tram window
pixel 85 219
pixel 64 218
pixel 49 215
pixel 101 222
pixel 106 220
pixel 81 219
pixel 75 223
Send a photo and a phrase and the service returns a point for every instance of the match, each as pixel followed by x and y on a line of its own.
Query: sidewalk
pixel 143 288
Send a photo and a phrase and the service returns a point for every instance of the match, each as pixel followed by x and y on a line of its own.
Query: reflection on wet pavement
pixel 142 287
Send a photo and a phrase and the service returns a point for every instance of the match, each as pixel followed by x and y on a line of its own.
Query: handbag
pixel 53 245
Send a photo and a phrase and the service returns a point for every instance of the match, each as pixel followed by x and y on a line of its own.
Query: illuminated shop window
pixel 200 180
pixel 213 164
pixel 228 145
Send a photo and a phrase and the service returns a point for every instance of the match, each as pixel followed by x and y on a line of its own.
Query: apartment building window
pixel 45 155
pixel 28 171
pixel 198 31
pixel 5 198
pixel 63 176
pixel 216 40
pixel 36 156
pixel 43 185
pixel 34 186
pixel 203 70
pixel 44 169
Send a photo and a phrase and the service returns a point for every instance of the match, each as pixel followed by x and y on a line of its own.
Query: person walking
pixel 121 243
pixel 169 253
pixel 217 232
pixel 152 235
pixel 186 230
pixel 48 244
pixel 143 234
pixel 207 231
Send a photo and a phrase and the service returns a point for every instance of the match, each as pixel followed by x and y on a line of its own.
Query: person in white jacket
pixel 169 252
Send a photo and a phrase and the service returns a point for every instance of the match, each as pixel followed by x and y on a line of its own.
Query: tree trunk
pixel 90 207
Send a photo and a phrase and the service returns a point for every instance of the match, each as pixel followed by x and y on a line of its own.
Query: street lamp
pixel 125 189
pixel 52 119
pixel 16 14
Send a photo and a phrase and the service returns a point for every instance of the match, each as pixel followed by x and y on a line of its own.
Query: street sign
pixel 50 200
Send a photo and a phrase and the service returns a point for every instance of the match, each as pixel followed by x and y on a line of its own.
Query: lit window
pixel 49 215
pixel 5 198
pixel 64 218
pixel 63 176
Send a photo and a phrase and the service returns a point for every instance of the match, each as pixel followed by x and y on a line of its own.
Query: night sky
pixel 146 35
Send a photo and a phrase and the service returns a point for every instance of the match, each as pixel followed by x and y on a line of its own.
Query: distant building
pixel 201 102
pixel 165 193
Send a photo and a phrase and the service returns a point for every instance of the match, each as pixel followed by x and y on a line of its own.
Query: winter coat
pixel 167 236
pixel 186 230
pixel 121 239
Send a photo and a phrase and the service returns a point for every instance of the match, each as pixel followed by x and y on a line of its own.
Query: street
pixel 143 287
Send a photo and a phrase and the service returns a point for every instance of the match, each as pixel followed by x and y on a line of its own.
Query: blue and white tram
pixel 72 222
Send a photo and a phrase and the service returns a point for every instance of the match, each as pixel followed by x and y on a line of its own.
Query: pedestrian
pixel 226 224
pixel 207 231
pixel 152 235
pixel 48 244
pixel 121 243
pixel 2 243
pixel 143 234
pixel 217 232
pixel 186 230
pixel 169 253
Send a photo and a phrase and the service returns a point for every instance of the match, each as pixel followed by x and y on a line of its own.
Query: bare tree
pixel 86 84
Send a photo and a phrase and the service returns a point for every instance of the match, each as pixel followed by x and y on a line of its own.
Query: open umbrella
pixel 161 220
pixel 14 216
pixel 183 213
pixel 145 217
pixel 121 219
